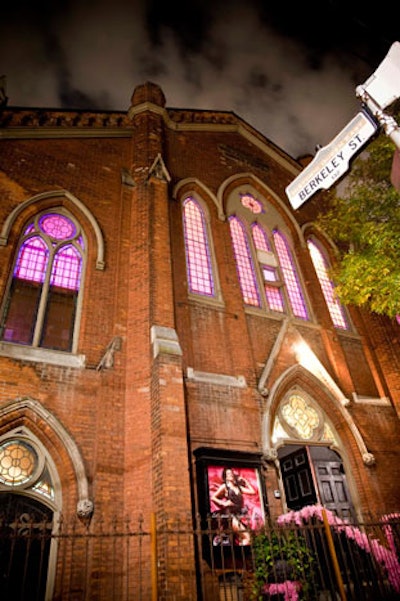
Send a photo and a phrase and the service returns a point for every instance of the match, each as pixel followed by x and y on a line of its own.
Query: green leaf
pixel 364 222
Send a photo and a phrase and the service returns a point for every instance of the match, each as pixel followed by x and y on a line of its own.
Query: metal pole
pixel 334 558
pixel 153 538
pixel 387 122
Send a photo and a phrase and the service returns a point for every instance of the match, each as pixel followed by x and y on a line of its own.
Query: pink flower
pixel 387 557
pixel 288 588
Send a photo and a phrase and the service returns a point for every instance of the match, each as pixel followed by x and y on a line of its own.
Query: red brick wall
pixel 137 424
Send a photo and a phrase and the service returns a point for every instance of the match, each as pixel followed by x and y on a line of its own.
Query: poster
pixel 235 502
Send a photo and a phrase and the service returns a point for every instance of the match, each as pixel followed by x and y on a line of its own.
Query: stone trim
pixel 41 355
pixel 164 340
pixel 218 379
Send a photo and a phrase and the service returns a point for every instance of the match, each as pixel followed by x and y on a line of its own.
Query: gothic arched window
pixel 41 300
pixel 198 258
pixel 244 263
pixel 321 267
pixel 265 265
pixel 290 276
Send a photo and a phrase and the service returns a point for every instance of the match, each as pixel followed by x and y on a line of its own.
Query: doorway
pixel 25 537
pixel 315 474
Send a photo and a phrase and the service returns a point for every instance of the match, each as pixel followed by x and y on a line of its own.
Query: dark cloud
pixel 289 70
pixel 188 21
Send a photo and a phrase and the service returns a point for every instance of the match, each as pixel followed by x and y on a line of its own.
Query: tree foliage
pixel 364 222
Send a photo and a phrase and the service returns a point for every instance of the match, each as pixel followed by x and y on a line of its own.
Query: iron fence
pixel 173 558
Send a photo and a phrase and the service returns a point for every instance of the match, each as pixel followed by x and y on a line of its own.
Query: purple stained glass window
pixel 273 293
pixel 321 267
pixel 290 276
pixel 260 238
pixel 244 263
pixel 251 203
pixel 57 226
pixel 32 260
pixel 42 295
pixel 198 258
pixel 66 270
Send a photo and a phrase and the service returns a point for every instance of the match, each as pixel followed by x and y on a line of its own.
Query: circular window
pixel 57 226
pixel 251 203
pixel 19 462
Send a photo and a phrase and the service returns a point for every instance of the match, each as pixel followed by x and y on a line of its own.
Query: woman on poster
pixel 229 498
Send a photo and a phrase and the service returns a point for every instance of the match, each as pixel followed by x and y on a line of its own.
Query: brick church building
pixel 166 319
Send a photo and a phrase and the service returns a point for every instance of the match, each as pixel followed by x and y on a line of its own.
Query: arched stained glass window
pixel 66 270
pixel 244 263
pixel 260 238
pixel 290 276
pixel 32 260
pixel 321 267
pixel 41 300
pixel 299 417
pixel 272 283
pixel 266 269
pixel 198 259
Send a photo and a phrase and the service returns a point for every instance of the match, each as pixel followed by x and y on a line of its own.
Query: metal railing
pixel 171 558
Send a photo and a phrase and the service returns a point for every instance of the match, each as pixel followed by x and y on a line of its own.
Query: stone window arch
pixel 41 305
pixel 201 263
pixel 27 468
pixel 30 504
pixel 268 274
pixel 197 249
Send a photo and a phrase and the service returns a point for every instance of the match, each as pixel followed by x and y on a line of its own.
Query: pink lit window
pixel 290 276
pixel 321 267
pixel 244 263
pixel 198 258
pixel 42 295
pixel 273 291
pixel 260 238
pixel 251 203
pixel 32 260
pixel 57 226
pixel 66 271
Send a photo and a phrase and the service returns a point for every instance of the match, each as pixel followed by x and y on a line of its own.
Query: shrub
pixel 281 557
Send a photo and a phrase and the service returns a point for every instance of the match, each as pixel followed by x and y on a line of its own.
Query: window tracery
pixel 299 418
pixel 23 467
pixel 41 300
pixel 267 272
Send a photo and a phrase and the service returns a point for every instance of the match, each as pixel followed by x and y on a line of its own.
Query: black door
pixel 25 535
pixel 315 474
pixel 333 488
pixel 297 479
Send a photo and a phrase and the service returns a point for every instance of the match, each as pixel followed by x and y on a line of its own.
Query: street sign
pixel 332 161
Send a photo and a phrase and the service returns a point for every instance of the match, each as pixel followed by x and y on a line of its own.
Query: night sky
pixel 290 70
